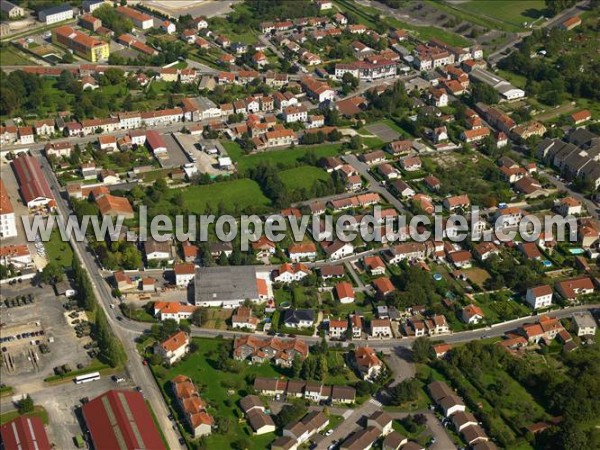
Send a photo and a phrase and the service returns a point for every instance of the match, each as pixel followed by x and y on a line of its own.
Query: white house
pixel 338 328
pixel 300 252
pixel 184 273
pixel 539 296
pixel 472 314
pixel 8 223
pixel 293 114
pixel 174 348
pixel 381 328
pixel 288 273
pixel 339 250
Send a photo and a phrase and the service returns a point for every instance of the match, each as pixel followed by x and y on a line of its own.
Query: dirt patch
pixel 476 275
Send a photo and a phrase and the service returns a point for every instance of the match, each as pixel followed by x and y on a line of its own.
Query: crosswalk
pixel 375 402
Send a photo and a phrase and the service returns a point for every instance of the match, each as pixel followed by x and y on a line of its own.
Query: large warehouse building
pixel 35 189
pixel 121 420
pixel 24 433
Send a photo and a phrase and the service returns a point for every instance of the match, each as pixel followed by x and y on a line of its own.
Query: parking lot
pixel 383 132
pixel 45 315
pixel 177 156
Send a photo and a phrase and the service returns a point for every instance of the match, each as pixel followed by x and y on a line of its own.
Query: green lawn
pixel 303 177
pixel 513 12
pixel 57 250
pixel 38 411
pixel 10 57
pixel 243 193
pixel 222 400
pixel 286 157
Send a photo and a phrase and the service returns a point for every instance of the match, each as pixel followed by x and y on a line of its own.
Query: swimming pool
pixel 547 263
pixel 437 276
pixel 576 251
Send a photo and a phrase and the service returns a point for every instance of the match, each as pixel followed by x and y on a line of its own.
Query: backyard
pixel 221 389
pixel 303 177
pixel 57 250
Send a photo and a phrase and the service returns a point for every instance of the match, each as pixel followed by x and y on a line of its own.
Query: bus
pixel 94 376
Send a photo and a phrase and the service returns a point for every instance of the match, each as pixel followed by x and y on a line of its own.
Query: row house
pixel 300 252
pixel 192 406
pixel 129 120
pixel 293 114
pixel 260 349
pixel 89 126
pixel 430 57
pixel 283 100
pixel 162 117
pixel 409 251
pixel 288 273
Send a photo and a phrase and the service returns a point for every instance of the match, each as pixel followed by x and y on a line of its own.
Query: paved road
pixel 590 205
pixel 139 373
pixel 353 421
pixel 374 185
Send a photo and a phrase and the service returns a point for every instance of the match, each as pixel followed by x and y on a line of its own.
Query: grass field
pixel 10 57
pixel 57 250
pixel 285 157
pixel 303 177
pixel 513 12
pixel 243 193
pixel 222 391
pixel 38 411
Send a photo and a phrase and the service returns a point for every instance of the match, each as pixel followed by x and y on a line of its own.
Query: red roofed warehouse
pixel 24 433
pixel 34 187
pixel 121 420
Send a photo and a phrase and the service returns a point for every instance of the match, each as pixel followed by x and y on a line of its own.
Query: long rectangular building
pixel 121 420
pixel 8 227
pixel 35 189
pixel 81 44
pixel 139 19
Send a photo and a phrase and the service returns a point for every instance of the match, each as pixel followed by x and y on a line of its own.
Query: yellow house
pixel 81 44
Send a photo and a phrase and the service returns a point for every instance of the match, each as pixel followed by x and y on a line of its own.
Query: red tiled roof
pixel 121 420
pixel 31 179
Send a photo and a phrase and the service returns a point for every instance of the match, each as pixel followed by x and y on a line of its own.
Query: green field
pixel 38 411
pixel 222 390
pixel 512 12
pixel 303 177
pixel 286 157
pixel 57 250
pixel 10 57
pixel 243 193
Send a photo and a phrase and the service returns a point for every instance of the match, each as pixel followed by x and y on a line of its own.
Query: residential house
pixel 584 323
pixel 460 201
pixel 381 328
pixel 472 314
pixel 173 348
pixel 260 349
pixel 572 288
pixel 367 363
pixel 288 273
pixel 299 318
pixel 338 329
pixel 344 292
pixel 539 296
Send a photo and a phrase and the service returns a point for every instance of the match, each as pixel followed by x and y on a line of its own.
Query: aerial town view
pixel 300 224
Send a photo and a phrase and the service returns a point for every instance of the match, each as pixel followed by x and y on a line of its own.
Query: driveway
pixel 400 363
pixel 352 422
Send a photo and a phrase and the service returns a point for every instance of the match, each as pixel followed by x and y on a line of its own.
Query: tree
pixel 556 6
pixel 421 349
pixel 165 329
pixel 405 391
pixel 484 93
pixel 290 413
pixel 53 273
pixel 296 367
pixel 25 405
pixel 196 317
